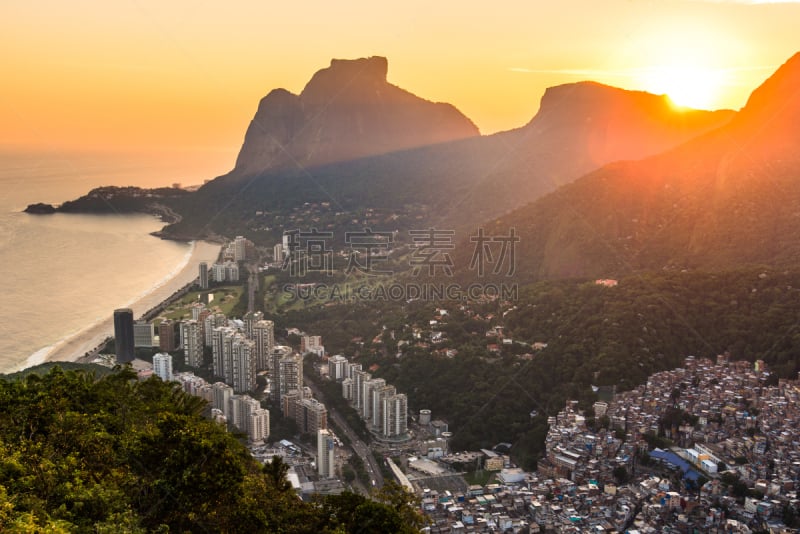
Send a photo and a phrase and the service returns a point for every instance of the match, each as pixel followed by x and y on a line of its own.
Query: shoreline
pixel 75 347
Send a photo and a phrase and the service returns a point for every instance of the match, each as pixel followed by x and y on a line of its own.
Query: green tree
pixel 277 471
pixel 620 474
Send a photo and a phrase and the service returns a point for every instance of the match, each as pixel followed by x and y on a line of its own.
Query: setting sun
pixel 686 86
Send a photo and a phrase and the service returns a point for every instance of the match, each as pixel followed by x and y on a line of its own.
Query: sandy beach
pixel 74 347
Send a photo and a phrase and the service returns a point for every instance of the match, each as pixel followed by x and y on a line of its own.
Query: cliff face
pixel 346 111
pixel 597 124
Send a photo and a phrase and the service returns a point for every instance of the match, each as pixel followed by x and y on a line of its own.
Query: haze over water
pixel 63 273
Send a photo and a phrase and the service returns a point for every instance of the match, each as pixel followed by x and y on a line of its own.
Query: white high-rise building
pixel 350 370
pixel 192 343
pixel 211 322
pixel 326 454
pixel 395 415
pixel 380 394
pixel 239 248
pixel 278 352
pixel 337 366
pixel 290 372
pixel 247 415
pixel 231 272
pixel 222 349
pixel 264 338
pixel 359 378
pixel 258 426
pixel 222 396
pixel 218 272
pixel 241 408
pixel 347 389
pixel 197 309
pixel 310 343
pixel 250 319
pixel 234 412
pixel 277 253
pixel 243 368
pixel 368 388
pixel 162 366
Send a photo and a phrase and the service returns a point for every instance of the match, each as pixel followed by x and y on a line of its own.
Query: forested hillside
pixel 80 453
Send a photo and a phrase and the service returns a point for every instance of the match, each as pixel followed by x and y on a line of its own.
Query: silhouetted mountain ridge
pixel 458 183
pixel 726 199
pixel 346 111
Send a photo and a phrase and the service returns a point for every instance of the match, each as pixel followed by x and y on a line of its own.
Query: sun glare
pixel 686 86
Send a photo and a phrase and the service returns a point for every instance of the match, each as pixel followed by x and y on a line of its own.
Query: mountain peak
pixel 369 67
pixel 776 92
pixel 347 77
pixel 605 123
pixel 347 110
pixel 723 200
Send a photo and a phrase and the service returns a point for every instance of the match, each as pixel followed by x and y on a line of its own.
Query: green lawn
pixel 225 298
pixel 480 478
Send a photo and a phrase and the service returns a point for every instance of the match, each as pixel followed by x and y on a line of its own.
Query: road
pixel 359 447
pixel 252 287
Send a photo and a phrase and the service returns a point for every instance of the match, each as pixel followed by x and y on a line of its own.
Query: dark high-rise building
pixel 123 335
pixel 203 275
pixel 166 336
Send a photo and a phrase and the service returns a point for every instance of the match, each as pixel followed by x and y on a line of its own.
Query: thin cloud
pixel 573 72
pixel 728 73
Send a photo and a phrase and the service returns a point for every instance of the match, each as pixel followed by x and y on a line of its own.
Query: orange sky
pixel 185 77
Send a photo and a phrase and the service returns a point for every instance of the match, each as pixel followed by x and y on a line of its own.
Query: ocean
pixel 64 274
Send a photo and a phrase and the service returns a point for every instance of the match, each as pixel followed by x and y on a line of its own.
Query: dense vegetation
pixel 595 335
pixel 115 200
pixel 80 453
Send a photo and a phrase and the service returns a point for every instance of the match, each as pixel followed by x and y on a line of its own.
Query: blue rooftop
pixel 670 457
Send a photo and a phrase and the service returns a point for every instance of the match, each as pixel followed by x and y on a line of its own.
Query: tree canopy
pixel 82 453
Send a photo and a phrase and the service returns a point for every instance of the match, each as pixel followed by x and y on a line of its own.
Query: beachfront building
pixel 239 248
pixel 143 334
pixel 203 275
pixel 166 336
pixel 225 272
pixel 123 335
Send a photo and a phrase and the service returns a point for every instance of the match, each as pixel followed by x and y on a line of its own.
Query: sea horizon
pixel 78 268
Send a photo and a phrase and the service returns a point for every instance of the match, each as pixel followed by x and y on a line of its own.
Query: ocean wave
pixel 187 257
pixel 40 356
